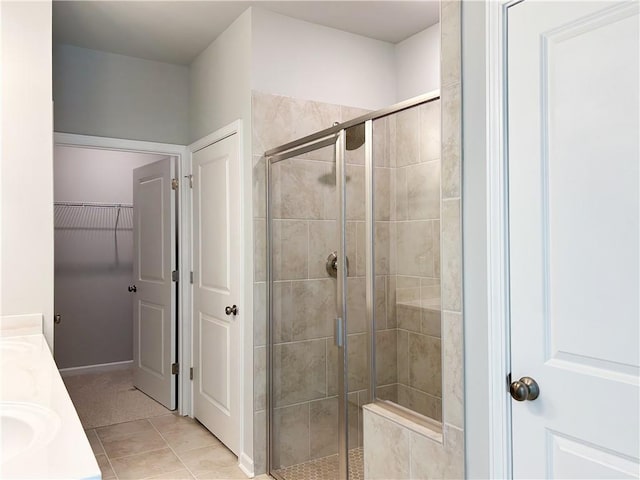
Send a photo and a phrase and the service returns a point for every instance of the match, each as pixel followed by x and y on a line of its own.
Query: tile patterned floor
pixel 107 398
pixel 325 468
pixel 168 446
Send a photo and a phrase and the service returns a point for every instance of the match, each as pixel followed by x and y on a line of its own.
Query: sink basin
pixel 16 352
pixel 25 427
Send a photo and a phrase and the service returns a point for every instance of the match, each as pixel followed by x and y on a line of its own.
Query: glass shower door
pixel 305 360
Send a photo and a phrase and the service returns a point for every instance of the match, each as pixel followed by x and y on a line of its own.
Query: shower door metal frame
pixel 335 135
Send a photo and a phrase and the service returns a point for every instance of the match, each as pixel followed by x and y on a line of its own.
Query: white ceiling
pixel 177 31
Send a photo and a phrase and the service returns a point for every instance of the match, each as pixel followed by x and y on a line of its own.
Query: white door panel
pixel 214 351
pixel 217 264
pixel 214 191
pixel 154 341
pixel 574 212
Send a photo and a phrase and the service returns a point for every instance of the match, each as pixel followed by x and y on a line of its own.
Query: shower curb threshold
pixel 407 419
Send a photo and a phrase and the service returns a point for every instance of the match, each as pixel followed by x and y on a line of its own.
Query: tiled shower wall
pixel 413 286
pixel 304 210
pixel 407 200
pixel 396 448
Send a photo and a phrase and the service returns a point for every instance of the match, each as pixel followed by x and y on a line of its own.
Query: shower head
pixel 354 140
pixel 330 178
pixel 355 136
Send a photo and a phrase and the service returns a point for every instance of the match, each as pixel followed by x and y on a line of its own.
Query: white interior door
pixel 217 265
pixel 154 257
pixel 574 243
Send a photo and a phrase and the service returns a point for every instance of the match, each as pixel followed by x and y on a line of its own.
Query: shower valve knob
pixel 332 264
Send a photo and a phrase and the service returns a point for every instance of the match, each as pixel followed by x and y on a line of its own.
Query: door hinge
pixel 190 177
pixel 191 373
pixel 509 382
pixel 175 276
pixel 191 277
pixel 174 183
pixel 175 368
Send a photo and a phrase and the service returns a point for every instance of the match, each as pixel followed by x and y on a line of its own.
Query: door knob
pixel 524 389
pixel 132 288
pixel 231 310
pixel 57 319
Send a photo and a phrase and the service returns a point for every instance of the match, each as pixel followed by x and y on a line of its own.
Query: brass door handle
pixel 524 389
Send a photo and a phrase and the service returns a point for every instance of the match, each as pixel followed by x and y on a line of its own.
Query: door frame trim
pixel 184 235
pixel 245 456
pixel 485 240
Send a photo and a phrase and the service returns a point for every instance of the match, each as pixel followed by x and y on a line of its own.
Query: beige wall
pixel 109 95
pixel 26 175
pixel 304 60
pixel 396 448
pixel 220 81
pixel 418 63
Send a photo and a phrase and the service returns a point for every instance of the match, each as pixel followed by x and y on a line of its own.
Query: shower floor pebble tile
pixel 325 468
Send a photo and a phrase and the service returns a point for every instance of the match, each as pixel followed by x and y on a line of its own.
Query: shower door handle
pixel 338 337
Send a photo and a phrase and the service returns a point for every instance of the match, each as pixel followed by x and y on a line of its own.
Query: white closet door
pixel 154 306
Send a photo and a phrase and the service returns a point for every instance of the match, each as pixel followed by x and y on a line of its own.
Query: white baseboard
pixel 246 464
pixel 102 367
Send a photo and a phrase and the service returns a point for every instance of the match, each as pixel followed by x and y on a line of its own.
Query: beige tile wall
pixel 395 450
pixel 407 174
pixel 413 137
pixel 304 211
pixel 391 449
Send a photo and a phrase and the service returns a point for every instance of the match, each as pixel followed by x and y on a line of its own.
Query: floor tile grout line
pixel 122 423
pixel 133 433
pixel 141 453
pixel 105 455
pixel 167 446
pixel 174 452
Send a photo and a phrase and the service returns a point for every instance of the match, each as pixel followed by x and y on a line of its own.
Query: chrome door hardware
pixel 57 319
pixel 190 177
pixel 332 265
pixel 175 368
pixel 524 389
pixel 338 337
pixel 233 310
pixel 175 183
pixel 132 288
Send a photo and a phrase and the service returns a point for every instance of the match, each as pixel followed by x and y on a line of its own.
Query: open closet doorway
pixel 115 250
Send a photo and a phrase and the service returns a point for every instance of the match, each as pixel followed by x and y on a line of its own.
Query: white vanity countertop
pixel 41 434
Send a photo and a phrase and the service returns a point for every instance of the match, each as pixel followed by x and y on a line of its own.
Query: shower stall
pixel 353 286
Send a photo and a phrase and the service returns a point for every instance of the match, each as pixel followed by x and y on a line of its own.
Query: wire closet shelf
pixel 93 216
